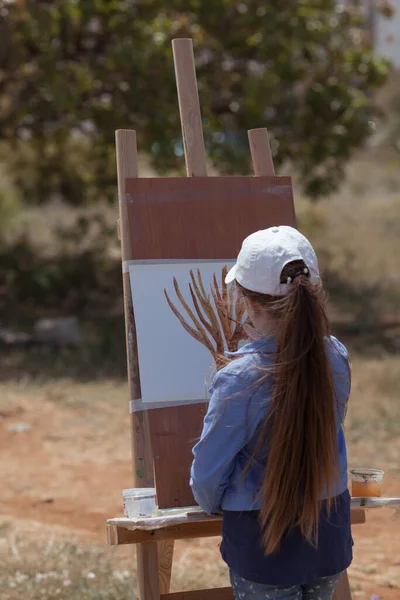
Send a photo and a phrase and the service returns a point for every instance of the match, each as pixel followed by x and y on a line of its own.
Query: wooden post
pixel 141 451
pixel 142 460
pixel 343 591
pixel 165 556
pixel 261 154
pixel 189 108
pixel 147 572
pixel 195 158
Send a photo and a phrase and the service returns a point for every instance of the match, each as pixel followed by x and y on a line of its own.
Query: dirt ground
pixel 64 472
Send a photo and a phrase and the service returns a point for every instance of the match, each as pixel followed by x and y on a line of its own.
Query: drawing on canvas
pixel 215 317
pixel 185 318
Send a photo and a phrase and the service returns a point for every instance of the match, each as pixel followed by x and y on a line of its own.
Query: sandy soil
pixel 66 471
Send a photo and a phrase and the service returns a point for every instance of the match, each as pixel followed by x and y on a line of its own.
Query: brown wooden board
pixel 174 431
pixel 212 594
pixel 118 536
pixel 203 217
pixel 195 218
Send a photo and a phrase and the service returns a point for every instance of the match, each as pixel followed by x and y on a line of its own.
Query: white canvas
pixel 174 367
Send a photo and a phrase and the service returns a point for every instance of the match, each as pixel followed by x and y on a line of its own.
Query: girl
pixel 272 455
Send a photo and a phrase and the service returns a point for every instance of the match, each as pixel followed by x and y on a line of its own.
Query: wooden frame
pixel 155 548
pixel 120 531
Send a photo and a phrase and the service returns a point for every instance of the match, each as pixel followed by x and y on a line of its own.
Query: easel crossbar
pixel 118 535
pixel 211 594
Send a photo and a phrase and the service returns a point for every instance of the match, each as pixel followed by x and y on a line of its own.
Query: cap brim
pixel 231 276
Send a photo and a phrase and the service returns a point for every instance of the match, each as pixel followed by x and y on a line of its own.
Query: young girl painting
pixel 272 454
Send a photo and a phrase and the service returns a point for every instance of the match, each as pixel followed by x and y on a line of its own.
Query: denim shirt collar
pixel 264 345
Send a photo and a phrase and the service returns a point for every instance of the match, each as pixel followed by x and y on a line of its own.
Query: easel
pixel 142 202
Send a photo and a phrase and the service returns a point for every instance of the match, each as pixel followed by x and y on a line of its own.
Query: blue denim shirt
pixel 237 408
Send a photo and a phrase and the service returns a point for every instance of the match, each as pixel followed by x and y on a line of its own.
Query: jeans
pixel 323 589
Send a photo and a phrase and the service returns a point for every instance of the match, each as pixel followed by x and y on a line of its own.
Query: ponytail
pixel 300 427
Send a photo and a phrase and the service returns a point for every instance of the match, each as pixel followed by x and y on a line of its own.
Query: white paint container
pixel 139 502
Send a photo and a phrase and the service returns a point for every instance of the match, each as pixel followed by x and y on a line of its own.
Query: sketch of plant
pixel 216 317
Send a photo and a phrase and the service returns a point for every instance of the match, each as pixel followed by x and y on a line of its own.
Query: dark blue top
pixel 297 561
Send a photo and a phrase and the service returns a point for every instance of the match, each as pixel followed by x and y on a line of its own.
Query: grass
pixel 59 569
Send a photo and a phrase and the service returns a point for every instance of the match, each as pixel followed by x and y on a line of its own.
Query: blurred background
pixel 323 76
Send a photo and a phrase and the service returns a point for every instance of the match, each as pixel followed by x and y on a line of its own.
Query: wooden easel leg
pixel 142 459
pixel 147 572
pixel 165 555
pixel 343 589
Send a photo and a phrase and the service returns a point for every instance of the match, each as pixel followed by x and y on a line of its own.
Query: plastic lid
pixel 139 492
pixel 362 471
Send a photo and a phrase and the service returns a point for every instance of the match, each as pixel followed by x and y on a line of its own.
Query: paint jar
pixel 366 483
pixel 139 502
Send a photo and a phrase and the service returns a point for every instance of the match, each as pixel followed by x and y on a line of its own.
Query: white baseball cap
pixel 264 255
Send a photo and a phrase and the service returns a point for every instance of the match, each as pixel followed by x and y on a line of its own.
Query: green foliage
pixel 9 204
pixel 79 275
pixel 73 72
